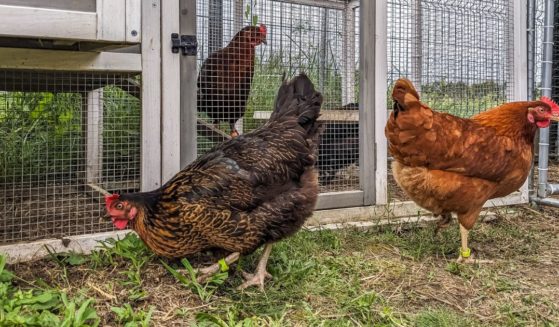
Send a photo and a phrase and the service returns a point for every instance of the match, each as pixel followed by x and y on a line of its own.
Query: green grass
pixel 377 277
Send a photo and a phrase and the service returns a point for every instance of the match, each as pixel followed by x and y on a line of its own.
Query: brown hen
pixel 252 190
pixel 448 164
pixel 225 78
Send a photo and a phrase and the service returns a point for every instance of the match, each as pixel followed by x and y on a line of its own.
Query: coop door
pixel 320 38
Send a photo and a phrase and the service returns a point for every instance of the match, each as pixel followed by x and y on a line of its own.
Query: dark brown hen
pixel 249 191
pixel 226 75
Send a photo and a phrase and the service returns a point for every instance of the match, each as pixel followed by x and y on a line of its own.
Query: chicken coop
pixel 103 96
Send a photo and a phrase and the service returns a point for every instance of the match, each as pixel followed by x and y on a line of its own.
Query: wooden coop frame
pixel 169 122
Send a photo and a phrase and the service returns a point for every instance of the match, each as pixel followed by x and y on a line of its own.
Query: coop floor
pixel 382 276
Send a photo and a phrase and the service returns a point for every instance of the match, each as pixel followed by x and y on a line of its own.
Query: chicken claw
pixel 258 278
pixel 209 271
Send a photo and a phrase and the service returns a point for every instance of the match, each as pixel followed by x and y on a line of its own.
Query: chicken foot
pixel 465 252
pixel 209 271
pixel 260 275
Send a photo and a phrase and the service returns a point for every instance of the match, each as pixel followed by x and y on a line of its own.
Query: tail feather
pixel 298 98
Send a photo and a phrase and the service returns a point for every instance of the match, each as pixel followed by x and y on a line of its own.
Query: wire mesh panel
pixel 241 67
pixel 459 54
pixel 64 135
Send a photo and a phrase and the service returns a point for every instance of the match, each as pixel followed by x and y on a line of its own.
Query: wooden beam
pixel 189 77
pixel 151 95
pixel 94 139
pixel 170 92
pixel 36 59
pixel 325 115
pixel 210 131
pixel 48 23
pixel 133 21
pixel 376 62
pixel 111 20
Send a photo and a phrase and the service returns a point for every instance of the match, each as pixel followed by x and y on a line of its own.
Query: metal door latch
pixel 188 44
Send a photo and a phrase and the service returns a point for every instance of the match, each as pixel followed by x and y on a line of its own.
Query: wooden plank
pixel 367 104
pixel 36 250
pixel 111 20
pixel 348 76
pixel 325 115
pixel 318 3
pixel 189 78
pixel 133 21
pixel 335 200
pixel 37 59
pixel 170 92
pixel 519 81
pixel 380 102
pixel 48 23
pixel 69 5
pixel 94 140
pixel 151 95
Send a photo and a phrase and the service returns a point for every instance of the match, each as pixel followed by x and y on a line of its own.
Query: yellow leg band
pixel 465 253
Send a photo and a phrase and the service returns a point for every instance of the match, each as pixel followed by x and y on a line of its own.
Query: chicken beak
pixel 264 41
pixel 554 115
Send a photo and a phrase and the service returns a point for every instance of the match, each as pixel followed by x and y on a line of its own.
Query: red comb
pixel 263 29
pixel 109 198
pixel 554 107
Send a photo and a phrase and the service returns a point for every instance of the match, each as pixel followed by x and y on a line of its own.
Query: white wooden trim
pixel 133 21
pixel 94 145
pixel 151 95
pixel 189 79
pixel 325 115
pixel 348 76
pixel 111 20
pixel 381 112
pixel 318 3
pixel 170 92
pixel 520 66
pixel 21 252
pixel 35 59
pixel 47 23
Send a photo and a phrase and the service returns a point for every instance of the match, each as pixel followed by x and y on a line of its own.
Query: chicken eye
pixel 119 206
pixel 540 109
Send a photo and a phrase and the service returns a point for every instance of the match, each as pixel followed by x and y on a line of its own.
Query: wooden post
pixel 188 76
pixel 151 95
pixel 238 21
pixel 94 137
pixel 348 76
pixel 372 105
pixel 170 92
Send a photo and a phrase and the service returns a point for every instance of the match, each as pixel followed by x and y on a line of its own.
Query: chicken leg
pixel 465 252
pixel 209 271
pixel 260 275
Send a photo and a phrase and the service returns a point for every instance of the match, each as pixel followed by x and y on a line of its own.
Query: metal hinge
pixel 188 44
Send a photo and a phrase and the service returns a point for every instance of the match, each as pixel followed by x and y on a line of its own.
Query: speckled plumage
pixel 257 188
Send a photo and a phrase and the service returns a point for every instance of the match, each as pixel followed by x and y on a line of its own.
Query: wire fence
pixel 239 75
pixel 64 134
pixel 458 53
